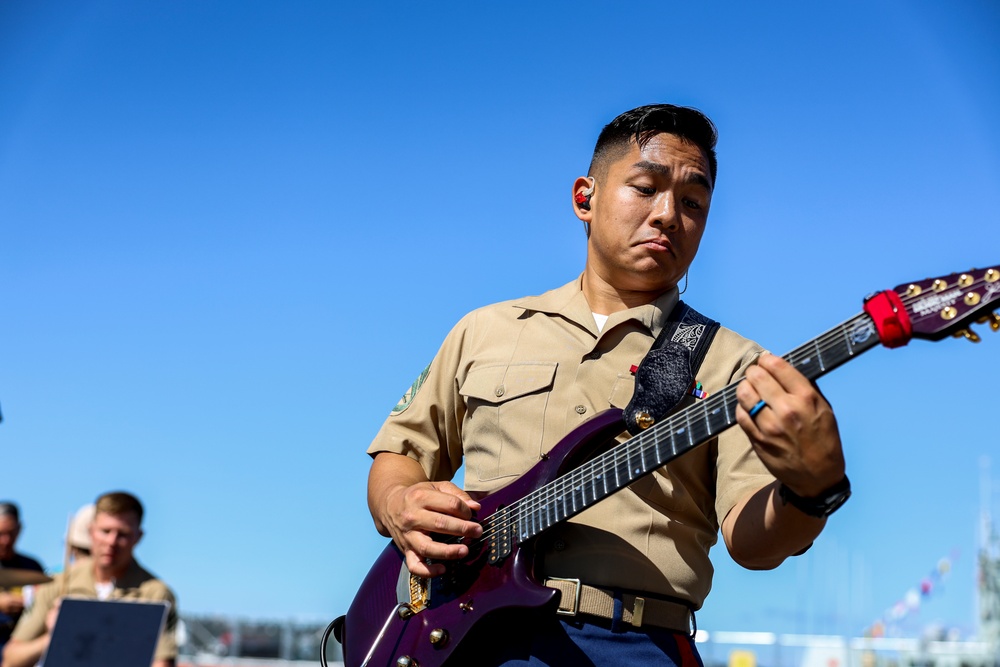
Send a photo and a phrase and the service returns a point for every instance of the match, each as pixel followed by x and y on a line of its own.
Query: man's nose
pixel 665 212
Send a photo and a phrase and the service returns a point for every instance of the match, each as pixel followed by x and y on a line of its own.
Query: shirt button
pixel 581 409
pixel 499 391
pixel 594 355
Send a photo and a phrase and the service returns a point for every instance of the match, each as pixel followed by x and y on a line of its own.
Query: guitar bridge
pixel 420 593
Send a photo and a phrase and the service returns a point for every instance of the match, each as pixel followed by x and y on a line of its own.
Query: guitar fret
pixel 623 476
pixel 602 480
pixel 847 341
pixel 819 355
pixel 701 429
pixel 657 451
pixel 583 484
pixel 617 464
pixel 668 443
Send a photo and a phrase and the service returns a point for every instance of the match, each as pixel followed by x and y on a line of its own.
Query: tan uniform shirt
pixel 137 585
pixel 513 378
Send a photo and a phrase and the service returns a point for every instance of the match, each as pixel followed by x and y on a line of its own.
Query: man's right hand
pixel 409 509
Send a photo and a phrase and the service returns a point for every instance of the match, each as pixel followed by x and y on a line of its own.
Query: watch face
pixel 838 500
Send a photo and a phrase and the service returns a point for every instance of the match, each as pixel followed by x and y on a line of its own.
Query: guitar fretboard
pixel 577 490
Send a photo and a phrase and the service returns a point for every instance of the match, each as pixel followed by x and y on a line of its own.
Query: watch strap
pixel 822 505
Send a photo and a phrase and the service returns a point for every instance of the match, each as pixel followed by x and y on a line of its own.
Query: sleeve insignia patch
pixel 411 393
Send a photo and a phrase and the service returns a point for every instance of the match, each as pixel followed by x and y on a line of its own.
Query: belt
pixel 636 610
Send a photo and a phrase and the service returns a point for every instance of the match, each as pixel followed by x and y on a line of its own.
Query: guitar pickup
pixel 501 535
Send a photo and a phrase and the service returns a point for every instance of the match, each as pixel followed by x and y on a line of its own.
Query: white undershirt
pixel 601 320
pixel 104 590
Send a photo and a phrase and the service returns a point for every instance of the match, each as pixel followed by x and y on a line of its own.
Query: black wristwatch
pixel 822 505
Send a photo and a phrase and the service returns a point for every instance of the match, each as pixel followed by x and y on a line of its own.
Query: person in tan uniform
pixel 12 598
pixel 109 573
pixel 513 378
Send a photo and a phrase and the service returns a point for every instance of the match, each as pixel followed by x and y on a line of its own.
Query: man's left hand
pixel 795 434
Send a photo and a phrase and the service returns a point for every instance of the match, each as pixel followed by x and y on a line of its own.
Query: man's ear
pixel 583 195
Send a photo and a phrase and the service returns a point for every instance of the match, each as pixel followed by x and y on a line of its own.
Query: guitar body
pixel 472 588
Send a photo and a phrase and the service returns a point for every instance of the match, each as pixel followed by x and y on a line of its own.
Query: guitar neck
pixel 577 490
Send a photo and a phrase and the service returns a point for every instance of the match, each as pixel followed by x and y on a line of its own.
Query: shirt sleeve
pixel 739 471
pixel 31 625
pixel 166 647
pixel 426 424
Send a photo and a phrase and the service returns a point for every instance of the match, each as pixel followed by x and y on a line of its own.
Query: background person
pixel 78 534
pixel 12 598
pixel 110 573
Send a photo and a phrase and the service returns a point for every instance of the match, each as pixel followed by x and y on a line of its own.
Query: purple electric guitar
pixel 398 620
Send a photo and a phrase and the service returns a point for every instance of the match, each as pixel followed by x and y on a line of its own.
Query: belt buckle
pixel 575 609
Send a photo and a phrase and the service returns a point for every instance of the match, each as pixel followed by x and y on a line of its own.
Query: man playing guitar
pixel 513 378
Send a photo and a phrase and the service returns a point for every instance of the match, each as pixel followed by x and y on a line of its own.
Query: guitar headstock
pixel 949 305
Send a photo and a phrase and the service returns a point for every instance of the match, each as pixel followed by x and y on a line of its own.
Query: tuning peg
pixel 968 335
pixel 992 319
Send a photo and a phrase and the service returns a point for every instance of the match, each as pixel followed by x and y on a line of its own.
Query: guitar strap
pixel 667 373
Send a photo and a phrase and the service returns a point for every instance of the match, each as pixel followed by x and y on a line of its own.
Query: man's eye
pixel 645 190
pixel 690 203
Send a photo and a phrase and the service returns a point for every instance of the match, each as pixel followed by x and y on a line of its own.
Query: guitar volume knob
pixel 438 637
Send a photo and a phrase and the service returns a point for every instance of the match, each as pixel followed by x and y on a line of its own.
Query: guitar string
pixel 637 447
pixel 578 480
pixel 556 490
pixel 822 344
pixel 643 446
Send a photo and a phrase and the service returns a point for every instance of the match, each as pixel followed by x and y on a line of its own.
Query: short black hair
pixel 645 122
pixel 8 508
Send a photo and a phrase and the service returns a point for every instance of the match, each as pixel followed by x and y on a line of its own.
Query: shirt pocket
pixel 504 422
pixel 622 391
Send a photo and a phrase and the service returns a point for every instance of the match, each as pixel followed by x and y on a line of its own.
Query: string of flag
pixel 913 598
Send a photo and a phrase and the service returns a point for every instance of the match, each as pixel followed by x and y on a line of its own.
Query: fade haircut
pixel 643 123
pixel 9 509
pixel 118 503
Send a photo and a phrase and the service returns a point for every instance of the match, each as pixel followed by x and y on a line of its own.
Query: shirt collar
pixel 569 302
pixel 83 572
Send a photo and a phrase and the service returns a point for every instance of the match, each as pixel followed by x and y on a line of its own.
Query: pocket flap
pixel 496 384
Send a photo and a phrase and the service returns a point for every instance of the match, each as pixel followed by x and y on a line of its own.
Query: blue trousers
pixel 552 642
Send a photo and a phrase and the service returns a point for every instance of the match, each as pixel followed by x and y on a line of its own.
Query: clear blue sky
pixel 232 233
